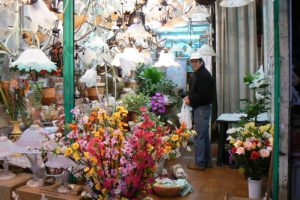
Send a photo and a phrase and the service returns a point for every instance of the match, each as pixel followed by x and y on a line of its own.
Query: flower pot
pixel 254 188
pixel 16 132
pixel 48 96
pixel 92 93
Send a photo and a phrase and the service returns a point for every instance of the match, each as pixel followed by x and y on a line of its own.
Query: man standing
pixel 200 97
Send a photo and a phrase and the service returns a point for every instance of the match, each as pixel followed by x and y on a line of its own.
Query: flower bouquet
pixel 119 164
pixel 251 147
pixel 15 100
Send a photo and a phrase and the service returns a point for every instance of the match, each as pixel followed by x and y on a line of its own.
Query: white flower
pixel 259 96
pixel 269 149
pixel 264 153
pixel 231 130
pixel 188 148
pixel 267 135
pixel 240 150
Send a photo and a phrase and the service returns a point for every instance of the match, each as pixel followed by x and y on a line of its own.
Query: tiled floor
pixel 211 184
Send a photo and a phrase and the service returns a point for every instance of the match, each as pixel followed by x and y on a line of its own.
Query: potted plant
pixel 133 102
pixel 15 103
pixel 251 147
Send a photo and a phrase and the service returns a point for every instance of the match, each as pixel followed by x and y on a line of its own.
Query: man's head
pixel 196 61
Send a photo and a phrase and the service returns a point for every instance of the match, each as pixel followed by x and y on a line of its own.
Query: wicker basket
pixel 166 191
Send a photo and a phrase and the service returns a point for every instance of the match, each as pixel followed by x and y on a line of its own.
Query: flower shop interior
pixel 96 99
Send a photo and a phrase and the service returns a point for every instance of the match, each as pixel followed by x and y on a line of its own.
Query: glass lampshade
pixel 33 59
pixel 234 3
pixel 166 60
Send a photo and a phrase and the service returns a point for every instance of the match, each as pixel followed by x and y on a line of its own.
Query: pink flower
pixel 240 150
pixel 264 153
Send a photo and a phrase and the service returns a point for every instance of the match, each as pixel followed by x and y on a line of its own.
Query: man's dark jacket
pixel 202 88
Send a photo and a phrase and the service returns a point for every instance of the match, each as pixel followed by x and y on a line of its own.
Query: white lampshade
pixel 206 50
pixel 116 61
pixel 198 13
pixel 31 140
pixel 6 147
pixel 59 161
pixel 136 31
pixel 33 59
pixel 234 3
pixel 166 60
pixel 89 77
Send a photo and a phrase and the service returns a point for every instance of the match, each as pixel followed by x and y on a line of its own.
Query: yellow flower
pixel 264 128
pixel 150 147
pixel 76 156
pixel 86 155
pixel 68 151
pixel 75 145
pixel 94 160
pixel 174 137
pixel 90 173
pixel 231 140
pixel 272 130
pixel 96 133
pixel 116 115
pixel 245 132
pixel 250 125
pixel 97 186
pixel 86 169
pixel 57 150
pixel 238 143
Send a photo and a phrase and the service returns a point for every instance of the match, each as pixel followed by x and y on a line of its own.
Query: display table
pixel 28 193
pixel 8 186
pixel 223 121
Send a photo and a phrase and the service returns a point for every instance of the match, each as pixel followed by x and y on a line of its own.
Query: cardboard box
pixel 8 186
pixel 28 193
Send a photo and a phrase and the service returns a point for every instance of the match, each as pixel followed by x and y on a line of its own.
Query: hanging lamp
pixel 33 59
pixel 234 3
pixel 206 50
pixel 166 60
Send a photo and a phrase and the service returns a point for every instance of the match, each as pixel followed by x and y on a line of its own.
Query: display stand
pixel 8 186
pixel 50 193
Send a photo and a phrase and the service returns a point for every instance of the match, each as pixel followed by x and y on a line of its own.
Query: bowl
pixel 166 190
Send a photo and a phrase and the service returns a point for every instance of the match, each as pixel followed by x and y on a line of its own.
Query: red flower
pixel 254 155
pixel 233 150
pixel 143 109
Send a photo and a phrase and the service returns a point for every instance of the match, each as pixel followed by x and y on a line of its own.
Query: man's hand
pixel 186 100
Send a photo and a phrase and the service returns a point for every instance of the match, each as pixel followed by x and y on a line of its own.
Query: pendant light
pixel 234 3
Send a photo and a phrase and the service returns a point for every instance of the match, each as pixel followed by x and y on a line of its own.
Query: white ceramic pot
pixel 254 188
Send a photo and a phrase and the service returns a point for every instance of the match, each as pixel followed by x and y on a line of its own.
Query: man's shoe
pixel 196 167
pixel 209 166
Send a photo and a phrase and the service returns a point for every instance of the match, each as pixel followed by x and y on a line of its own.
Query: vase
pixel 16 132
pixel 48 96
pixel 254 188
pixel 93 94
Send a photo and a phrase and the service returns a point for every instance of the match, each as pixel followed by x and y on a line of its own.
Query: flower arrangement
pixel 15 101
pixel 116 163
pixel 251 147
pixel 133 102
pixel 158 103
pixel 258 84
